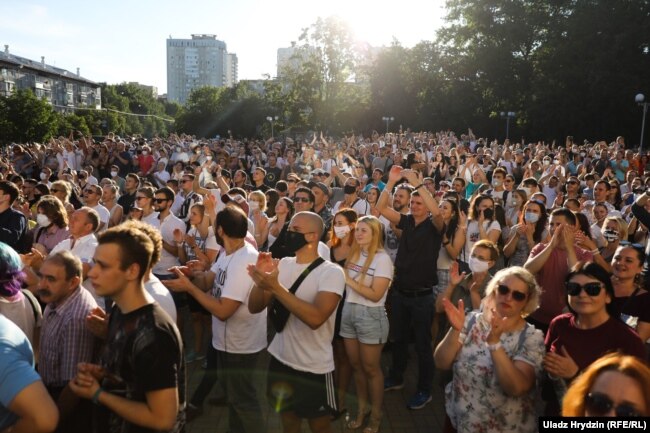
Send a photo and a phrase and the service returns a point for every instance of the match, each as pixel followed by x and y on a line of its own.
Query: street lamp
pixel 271 119
pixel 388 120
pixel 508 115
pixel 640 99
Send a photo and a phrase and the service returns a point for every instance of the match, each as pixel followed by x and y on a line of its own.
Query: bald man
pixel 301 353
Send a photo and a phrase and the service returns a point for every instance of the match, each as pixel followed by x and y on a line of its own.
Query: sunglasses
pixel 600 405
pixel 516 295
pixel 572 182
pixel 186 180
pixel 591 289
pixel 301 199
pixel 630 244
pixel 160 200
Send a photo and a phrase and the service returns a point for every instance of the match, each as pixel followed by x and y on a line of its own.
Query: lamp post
pixel 388 120
pixel 508 115
pixel 272 119
pixel 640 99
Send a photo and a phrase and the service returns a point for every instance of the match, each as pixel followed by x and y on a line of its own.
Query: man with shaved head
pixel 300 380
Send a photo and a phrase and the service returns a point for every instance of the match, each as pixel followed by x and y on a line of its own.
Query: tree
pixel 27 118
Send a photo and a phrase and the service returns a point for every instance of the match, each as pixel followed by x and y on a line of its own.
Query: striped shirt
pixel 65 338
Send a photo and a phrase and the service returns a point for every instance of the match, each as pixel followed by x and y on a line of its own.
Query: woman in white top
pixel 364 325
pixel 109 199
pixel 482 225
pixel 257 208
pixel 144 200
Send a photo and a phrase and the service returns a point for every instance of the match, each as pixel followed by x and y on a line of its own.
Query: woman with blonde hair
pixel 614 385
pixel 62 190
pixel 257 206
pixel 364 324
pixel 496 358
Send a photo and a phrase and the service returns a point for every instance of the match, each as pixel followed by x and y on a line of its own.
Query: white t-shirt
pixel 381 267
pixel 299 346
pixel 167 260
pixel 391 241
pixel 361 207
pixel 161 294
pixel 473 235
pixel 243 332
pixel 152 220
pixel 104 215
pixel 324 251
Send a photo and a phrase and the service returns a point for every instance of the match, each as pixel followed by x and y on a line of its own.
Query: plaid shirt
pixel 65 339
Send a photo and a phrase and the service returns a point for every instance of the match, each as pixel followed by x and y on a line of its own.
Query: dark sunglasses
pixel 160 200
pixel 591 289
pixel 600 405
pixel 516 295
pixel 572 182
pixel 301 199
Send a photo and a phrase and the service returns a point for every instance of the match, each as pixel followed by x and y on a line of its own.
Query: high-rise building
pixel 231 69
pixel 197 62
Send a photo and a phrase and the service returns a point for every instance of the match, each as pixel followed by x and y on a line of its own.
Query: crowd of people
pixel 518 270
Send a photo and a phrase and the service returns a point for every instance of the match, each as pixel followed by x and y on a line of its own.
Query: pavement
pixel 397 418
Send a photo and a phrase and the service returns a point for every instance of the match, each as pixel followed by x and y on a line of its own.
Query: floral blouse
pixel 474 399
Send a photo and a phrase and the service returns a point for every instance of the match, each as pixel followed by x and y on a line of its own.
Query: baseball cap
pixel 321 186
pixel 236 199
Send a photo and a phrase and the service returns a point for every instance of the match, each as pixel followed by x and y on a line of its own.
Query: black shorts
pixel 308 395
pixel 180 298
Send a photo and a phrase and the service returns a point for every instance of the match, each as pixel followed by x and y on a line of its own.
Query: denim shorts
pixel 369 325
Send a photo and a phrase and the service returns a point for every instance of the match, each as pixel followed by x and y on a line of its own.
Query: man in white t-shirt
pixel 237 335
pixel 92 196
pixel 300 381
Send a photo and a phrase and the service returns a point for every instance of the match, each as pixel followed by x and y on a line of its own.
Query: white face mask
pixel 43 220
pixel 478 265
pixel 43 176
pixel 341 231
pixel 253 205
pixel 145 153
pixel 209 157
pixel 114 173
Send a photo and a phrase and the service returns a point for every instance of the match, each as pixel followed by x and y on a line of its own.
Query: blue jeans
pixel 418 312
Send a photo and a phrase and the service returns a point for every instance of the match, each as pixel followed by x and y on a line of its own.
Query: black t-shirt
pixel 272 176
pixel 143 353
pixel 416 263
pixel 126 200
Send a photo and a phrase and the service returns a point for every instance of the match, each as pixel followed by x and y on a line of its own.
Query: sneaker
pixel 419 400
pixel 391 384
pixel 192 412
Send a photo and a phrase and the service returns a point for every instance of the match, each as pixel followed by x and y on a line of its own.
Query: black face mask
pixel 294 241
pixel 488 213
pixel 350 189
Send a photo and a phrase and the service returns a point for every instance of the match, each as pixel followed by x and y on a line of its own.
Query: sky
pixel 116 41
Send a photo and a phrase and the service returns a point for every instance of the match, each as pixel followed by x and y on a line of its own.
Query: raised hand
pixel 180 284
pixel 454 276
pixel 178 235
pixel 497 327
pixel 97 323
pixel 456 316
pixel 395 174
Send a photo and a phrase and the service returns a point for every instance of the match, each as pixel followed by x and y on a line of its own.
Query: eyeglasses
pixel 516 295
pixel 600 404
pixel 89 192
pixel 301 199
pixel 572 182
pixel 591 289
pixel 160 200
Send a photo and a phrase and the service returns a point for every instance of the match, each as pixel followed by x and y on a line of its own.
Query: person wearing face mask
pixel 52 220
pixel 341 239
pixel 470 287
pixel 301 353
pixel 352 199
pixel 257 214
pixel 481 225
pixel 530 231
pixel 117 179
pixel 146 162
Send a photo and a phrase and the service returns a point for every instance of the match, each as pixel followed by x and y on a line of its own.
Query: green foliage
pixel 24 117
